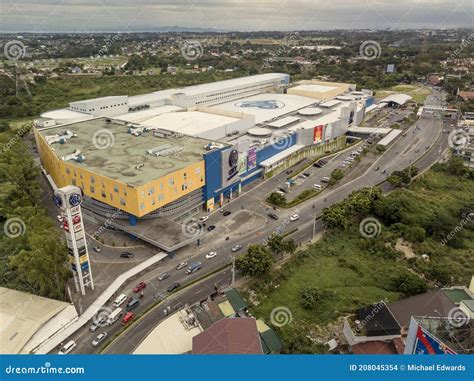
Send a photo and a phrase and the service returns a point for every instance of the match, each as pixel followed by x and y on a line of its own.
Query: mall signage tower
pixel 68 199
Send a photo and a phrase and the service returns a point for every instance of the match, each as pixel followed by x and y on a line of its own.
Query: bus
pixel 114 316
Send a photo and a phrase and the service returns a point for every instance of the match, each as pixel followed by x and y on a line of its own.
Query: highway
pixel 422 144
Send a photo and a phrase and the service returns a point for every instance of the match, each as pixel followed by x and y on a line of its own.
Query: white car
pixel 211 255
pixel 60 218
pixel 317 187
pixel 203 219
pixel 100 338
pixel 295 217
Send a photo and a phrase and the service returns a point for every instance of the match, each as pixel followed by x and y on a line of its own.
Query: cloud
pixel 126 15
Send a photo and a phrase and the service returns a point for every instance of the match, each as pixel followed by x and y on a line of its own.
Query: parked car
pixel 193 268
pixel 119 300
pixel 127 318
pixel 317 187
pixel 99 323
pixel 173 287
pixel 236 248
pixel 273 216
pixel 126 254
pixel 210 228
pixel 294 217
pixel 97 249
pixel 325 179
pixel 203 219
pixel 100 338
pixel 139 287
pixel 289 171
pixel 182 265
pixel 67 348
pixel 132 304
pixel 306 174
pixel 226 213
pixel 163 276
pixel 211 255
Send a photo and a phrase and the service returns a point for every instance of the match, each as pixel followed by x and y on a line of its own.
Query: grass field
pixel 418 93
pixel 355 271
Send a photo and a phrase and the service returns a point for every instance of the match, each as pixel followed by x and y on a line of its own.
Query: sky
pixel 240 15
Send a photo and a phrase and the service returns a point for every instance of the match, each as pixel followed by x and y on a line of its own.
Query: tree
pixel 257 261
pixel 410 284
pixel 276 199
pixel 311 296
pixel 278 246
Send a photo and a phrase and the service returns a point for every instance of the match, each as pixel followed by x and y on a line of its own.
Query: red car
pixel 127 318
pixel 140 286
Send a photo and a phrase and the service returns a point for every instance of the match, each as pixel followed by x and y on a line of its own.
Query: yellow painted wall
pixel 139 200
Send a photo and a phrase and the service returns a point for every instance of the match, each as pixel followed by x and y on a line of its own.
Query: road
pixel 427 132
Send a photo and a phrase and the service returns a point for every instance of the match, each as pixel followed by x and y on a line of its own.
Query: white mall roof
pixel 400 99
pixel 260 132
pixel 267 106
pixel 65 113
pixel 142 116
pixel 370 130
pixel 313 88
pixel 309 111
pixel 190 122
pixel 283 122
pixel 330 103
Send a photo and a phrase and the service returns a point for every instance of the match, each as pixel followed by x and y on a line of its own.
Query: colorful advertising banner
pixel 242 163
pixel 251 158
pixel 427 344
pixel 318 134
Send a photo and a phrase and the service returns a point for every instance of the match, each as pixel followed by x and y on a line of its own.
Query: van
pixel 68 347
pixel 120 300
pixel 132 304
pixel 325 179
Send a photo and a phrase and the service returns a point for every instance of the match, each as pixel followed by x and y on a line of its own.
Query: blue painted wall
pixel 369 101
pixel 213 167
pixel 272 150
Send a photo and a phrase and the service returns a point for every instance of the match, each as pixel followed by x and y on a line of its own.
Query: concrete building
pixel 170 153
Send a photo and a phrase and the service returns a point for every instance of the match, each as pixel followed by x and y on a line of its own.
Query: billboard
pixel 242 163
pixel 230 162
pixel 251 158
pixel 427 344
pixel 318 134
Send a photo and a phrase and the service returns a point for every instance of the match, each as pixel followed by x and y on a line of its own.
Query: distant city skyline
pixel 230 15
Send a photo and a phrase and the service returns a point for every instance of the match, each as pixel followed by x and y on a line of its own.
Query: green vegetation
pixel 345 270
pixel 336 175
pixel 417 92
pixel 404 177
pixel 32 257
pixel 58 92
